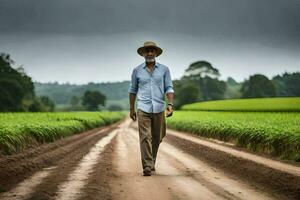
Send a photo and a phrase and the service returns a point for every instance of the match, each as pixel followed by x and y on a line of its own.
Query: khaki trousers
pixel 152 129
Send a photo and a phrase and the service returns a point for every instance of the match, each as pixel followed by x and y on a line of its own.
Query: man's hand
pixel 169 111
pixel 132 114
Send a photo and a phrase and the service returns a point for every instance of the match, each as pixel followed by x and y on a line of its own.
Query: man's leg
pixel 158 132
pixel 144 124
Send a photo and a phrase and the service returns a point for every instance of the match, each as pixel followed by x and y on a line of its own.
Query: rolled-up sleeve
pixel 133 88
pixel 168 82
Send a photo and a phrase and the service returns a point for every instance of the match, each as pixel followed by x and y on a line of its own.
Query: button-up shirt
pixel 151 87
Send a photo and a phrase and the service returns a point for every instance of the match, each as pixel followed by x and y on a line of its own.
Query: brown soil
pixel 17 167
pixel 260 176
pixel 105 164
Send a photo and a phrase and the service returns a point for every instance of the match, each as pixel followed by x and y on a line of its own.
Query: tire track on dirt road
pixel 178 176
pixel 282 182
pixel 107 165
pixel 278 177
pixel 71 189
pixel 43 183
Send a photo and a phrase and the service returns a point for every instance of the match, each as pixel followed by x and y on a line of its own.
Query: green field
pixel 21 129
pixel 259 104
pixel 274 133
pixel 269 125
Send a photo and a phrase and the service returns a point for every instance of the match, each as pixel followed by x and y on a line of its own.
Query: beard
pixel 150 59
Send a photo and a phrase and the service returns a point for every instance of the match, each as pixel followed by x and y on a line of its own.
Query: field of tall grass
pixel 291 104
pixel 270 125
pixel 21 129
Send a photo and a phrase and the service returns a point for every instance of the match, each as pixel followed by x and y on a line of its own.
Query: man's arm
pixel 132 110
pixel 169 110
pixel 132 100
pixel 132 94
pixel 169 92
pixel 168 82
pixel 170 97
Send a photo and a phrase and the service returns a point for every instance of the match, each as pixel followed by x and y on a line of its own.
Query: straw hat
pixel 148 44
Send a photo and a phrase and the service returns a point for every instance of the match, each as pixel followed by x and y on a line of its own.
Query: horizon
pixel 65 83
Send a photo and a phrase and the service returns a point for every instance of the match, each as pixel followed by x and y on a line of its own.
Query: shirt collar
pixel 155 65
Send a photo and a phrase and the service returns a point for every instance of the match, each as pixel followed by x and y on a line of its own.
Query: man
pixel 150 81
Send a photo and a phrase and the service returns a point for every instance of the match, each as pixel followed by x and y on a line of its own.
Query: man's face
pixel 150 54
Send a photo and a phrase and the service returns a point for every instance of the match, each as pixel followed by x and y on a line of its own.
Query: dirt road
pixel 105 163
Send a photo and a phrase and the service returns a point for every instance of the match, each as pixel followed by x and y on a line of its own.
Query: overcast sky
pixel 81 41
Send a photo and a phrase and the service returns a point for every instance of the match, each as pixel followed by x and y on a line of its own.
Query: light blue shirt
pixel 151 87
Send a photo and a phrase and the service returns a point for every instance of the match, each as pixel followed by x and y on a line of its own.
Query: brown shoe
pixel 147 171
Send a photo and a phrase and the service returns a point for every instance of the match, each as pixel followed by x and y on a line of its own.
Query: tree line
pixel 18 92
pixel 200 82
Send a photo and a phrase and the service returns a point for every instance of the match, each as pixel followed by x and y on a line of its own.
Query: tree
pixel 48 103
pixel 114 107
pixel 288 84
pixel 74 101
pixel 206 77
pixel 11 95
pixel 63 93
pixel 41 104
pixel 186 94
pixel 36 105
pixel 215 89
pixel 233 89
pixel 201 79
pixel 92 99
pixel 186 91
pixel 15 86
pixel 201 69
pixel 258 86
pixel 230 81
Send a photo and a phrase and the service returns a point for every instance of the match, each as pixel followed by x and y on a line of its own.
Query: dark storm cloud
pixel 268 20
pixel 96 40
